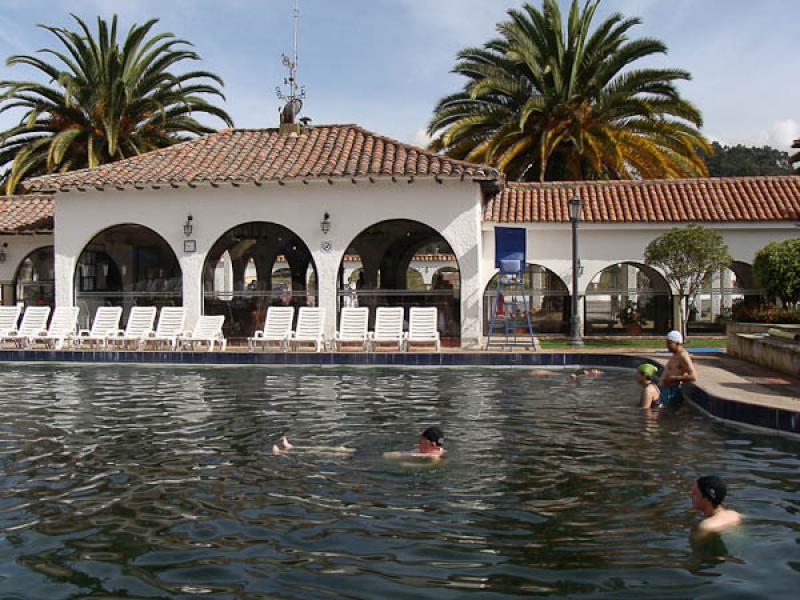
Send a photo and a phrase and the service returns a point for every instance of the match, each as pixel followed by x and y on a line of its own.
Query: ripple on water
pixel 160 481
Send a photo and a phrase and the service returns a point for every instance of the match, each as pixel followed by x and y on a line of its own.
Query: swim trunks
pixel 671 396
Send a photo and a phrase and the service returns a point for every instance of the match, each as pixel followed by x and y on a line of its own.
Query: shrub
pixel 777 270
pixel 687 256
pixel 765 314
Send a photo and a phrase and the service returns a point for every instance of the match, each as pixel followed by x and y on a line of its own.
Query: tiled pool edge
pixel 757 417
pixel 762 418
pixel 415 359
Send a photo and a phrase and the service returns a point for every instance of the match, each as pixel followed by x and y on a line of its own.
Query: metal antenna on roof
pixel 294 97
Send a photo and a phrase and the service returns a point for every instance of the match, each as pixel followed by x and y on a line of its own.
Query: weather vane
pixel 295 95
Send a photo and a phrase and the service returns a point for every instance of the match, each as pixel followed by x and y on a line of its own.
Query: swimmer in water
pixel 650 396
pixel 431 445
pixel 707 495
pixel 285 447
pixel 587 373
pixel 542 373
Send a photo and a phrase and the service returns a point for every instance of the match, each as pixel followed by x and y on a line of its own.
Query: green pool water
pixel 151 482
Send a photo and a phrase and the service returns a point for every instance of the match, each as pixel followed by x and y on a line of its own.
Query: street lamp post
pixel 575 205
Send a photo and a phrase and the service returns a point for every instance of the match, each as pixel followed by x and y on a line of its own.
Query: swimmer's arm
pixel 413 454
pixel 688 366
pixel 395 454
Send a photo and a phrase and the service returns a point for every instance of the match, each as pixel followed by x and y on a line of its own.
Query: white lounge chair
pixel 277 328
pixel 9 316
pixel 62 327
pixel 106 321
pixel 171 323
pixel 388 327
pixel 422 327
pixel 140 324
pixel 310 328
pixel 208 330
pixel 352 327
pixel 34 322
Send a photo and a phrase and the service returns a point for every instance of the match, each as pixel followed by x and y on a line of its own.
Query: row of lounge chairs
pixel 141 332
pixel 105 332
pixel 353 328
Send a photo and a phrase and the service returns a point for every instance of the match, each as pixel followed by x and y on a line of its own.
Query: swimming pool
pixel 159 482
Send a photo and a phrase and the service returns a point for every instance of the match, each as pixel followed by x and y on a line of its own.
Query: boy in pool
pixel 431 442
pixel 707 495
pixel 679 370
pixel 650 396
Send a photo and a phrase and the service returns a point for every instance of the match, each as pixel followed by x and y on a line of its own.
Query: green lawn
pixel 622 343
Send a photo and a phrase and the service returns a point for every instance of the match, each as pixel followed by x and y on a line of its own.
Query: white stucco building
pixel 228 223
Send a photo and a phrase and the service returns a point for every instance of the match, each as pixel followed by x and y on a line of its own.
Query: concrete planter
pixel 779 355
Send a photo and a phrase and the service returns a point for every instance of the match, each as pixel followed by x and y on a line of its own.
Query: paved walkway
pixel 733 379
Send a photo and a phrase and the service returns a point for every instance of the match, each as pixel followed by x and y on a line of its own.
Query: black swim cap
pixel 712 488
pixel 434 435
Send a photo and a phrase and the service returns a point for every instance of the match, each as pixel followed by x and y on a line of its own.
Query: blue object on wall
pixel 509 244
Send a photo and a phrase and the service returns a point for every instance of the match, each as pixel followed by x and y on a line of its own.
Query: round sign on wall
pixel 326 246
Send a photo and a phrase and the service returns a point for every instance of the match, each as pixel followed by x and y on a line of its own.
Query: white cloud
pixel 783 133
pixel 421 138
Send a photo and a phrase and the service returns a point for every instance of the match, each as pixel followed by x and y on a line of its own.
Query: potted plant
pixel 630 316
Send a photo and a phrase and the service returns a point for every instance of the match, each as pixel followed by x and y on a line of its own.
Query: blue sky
pixel 384 63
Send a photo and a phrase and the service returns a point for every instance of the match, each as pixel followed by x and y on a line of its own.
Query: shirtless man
pixel 431 443
pixel 707 496
pixel 679 370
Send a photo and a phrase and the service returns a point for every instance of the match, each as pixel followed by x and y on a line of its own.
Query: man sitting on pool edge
pixel 707 495
pixel 679 370
pixel 431 443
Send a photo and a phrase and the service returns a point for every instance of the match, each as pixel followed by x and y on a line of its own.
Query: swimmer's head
pixel 674 339
pixel 647 371
pixel 712 488
pixel 434 435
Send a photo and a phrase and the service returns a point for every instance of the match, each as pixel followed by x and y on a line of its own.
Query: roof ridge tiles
pixel 264 154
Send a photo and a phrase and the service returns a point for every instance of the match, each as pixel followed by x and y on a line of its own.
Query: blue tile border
pixel 765 418
pixel 424 359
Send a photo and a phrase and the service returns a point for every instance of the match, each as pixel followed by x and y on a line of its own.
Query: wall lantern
pixel 325 224
pixel 3 252
pixel 188 227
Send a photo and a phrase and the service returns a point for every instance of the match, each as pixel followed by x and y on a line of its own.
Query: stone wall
pixel 745 342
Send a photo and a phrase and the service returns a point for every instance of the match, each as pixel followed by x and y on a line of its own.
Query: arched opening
pixel 34 283
pixel 713 305
pixel 253 266
pixel 548 301
pixel 629 299
pixel 400 263
pixel 127 265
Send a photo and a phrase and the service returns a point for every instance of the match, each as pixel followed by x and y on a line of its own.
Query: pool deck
pixel 728 389
pixel 741 393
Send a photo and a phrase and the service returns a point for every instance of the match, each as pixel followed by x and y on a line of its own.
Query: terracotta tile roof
pixel 256 155
pixel 711 199
pixel 29 213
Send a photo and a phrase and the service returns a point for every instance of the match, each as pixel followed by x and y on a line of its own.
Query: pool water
pixel 156 482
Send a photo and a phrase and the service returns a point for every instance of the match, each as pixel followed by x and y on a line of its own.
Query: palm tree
pixel 795 158
pixel 544 103
pixel 106 100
